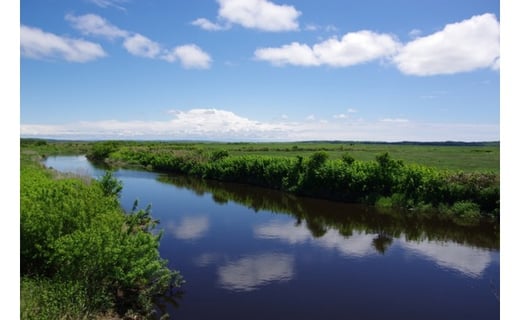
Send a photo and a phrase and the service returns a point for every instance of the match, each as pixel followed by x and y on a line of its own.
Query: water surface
pixel 252 253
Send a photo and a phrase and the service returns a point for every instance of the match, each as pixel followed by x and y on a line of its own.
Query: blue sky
pixel 260 70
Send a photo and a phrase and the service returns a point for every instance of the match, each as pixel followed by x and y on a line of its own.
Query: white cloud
pixel 91 24
pixel 395 120
pixel 109 3
pixel 353 48
pixel 312 27
pixel 251 272
pixel 38 44
pixel 294 53
pixel 316 27
pixel 414 33
pixel 460 47
pixel 254 14
pixel 190 56
pixel 215 124
pixel 141 46
pixel 209 26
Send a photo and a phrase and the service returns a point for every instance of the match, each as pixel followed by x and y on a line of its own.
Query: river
pixel 253 253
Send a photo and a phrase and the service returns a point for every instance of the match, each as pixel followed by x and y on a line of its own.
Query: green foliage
pixel 347 158
pixel 466 213
pixel 388 181
pixel 75 235
pixel 101 150
pixel 110 185
pixel 317 160
pixel 45 299
pixel 218 155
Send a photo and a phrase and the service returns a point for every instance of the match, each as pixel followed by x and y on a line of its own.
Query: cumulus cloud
pixel 205 24
pixel 189 55
pixel 215 124
pixel 353 48
pixel 294 53
pixel 460 47
pixel 253 14
pixel 38 44
pixel 141 46
pixel 91 24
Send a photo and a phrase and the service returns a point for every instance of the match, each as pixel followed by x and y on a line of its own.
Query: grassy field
pixel 476 157
pixel 467 157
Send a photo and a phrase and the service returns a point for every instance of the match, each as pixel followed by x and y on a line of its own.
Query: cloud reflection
pixel 206 259
pixel 469 261
pixel 357 245
pixel 190 228
pixel 248 273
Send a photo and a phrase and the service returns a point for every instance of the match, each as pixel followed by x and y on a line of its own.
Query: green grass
pixel 469 157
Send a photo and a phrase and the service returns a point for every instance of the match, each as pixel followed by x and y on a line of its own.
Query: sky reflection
pixel 470 261
pixel 251 272
pixel 358 244
pixel 189 228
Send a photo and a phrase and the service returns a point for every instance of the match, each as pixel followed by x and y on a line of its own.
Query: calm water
pixel 251 253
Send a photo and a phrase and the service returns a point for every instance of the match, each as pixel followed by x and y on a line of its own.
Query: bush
pixel 101 150
pixel 466 213
pixel 74 234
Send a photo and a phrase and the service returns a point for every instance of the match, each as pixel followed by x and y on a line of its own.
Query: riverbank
pixel 467 193
pixel 466 198
pixel 81 255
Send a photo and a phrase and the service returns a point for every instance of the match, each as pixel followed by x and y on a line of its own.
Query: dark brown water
pixel 252 253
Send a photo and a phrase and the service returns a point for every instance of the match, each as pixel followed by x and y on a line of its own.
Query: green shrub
pixel 218 155
pixel 75 234
pixel 466 213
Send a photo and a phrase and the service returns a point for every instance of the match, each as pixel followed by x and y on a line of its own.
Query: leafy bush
pixel 466 213
pixel 75 234
pixel 218 155
pixel 101 150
